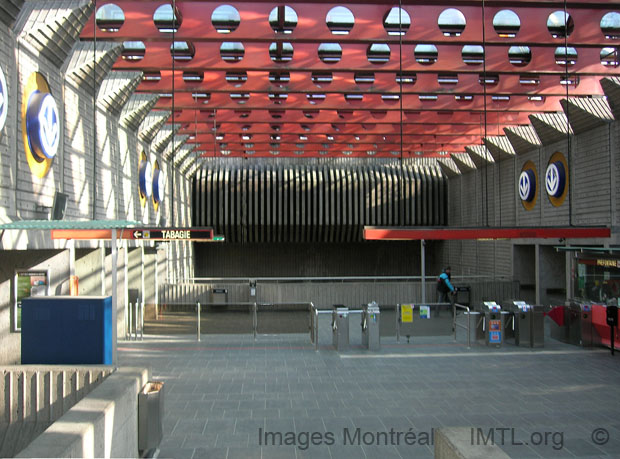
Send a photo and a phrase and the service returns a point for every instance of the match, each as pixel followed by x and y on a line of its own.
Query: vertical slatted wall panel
pixel 315 202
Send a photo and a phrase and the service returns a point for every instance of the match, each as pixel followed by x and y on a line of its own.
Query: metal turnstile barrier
pixel 579 323
pixel 427 319
pixel 340 327
pixel 537 337
pixel 371 319
pixel 493 323
pixel 525 324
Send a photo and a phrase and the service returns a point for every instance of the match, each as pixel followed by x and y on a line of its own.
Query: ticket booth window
pixel 597 279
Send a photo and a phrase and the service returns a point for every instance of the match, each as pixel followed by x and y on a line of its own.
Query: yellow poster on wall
pixel 406 313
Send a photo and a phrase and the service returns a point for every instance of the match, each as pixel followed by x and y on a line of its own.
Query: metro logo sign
pixel 556 179
pixel 527 185
pixel 4 99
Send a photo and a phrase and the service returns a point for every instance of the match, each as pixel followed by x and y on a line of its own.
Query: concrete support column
pixel 423 268
pixel 114 297
pixel 537 270
pixel 102 253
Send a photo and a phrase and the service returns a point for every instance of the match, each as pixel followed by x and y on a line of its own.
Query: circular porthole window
pixel 225 19
pixel 560 24
pixel 397 21
pixel 283 19
pixel 340 20
pixel 506 23
pixel 166 20
pixel 110 18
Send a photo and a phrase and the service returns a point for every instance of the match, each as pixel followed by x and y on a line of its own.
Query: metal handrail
pixel 455 324
pixel 254 305
pixel 328 279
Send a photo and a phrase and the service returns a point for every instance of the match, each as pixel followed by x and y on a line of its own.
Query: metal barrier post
pixel 135 320
pixel 316 329
pixel 198 321
pixel 126 322
pixel 398 323
pixel 142 321
pixel 468 327
pixel 255 321
pixel 130 321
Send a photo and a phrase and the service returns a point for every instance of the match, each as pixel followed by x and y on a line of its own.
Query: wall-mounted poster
pixel 28 283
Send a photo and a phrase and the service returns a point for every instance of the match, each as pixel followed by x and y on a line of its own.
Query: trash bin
pixel 150 415
pixel 340 327
pixel 463 294
pixel 370 326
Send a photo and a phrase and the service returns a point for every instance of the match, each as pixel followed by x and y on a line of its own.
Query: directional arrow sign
pixel 527 185
pixel 174 234
pixel 555 179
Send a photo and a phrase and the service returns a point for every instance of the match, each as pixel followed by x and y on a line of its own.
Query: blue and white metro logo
pixel 527 185
pixel 42 125
pixel 4 99
pixel 555 179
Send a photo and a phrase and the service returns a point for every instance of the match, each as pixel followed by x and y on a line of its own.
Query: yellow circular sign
pixel 40 125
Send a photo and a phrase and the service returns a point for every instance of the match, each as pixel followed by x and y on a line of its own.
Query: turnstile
pixel 370 326
pixel 525 324
pixel 493 323
pixel 572 323
pixel 340 327
pixel 579 322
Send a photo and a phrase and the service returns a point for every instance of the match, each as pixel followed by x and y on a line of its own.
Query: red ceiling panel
pixel 444 109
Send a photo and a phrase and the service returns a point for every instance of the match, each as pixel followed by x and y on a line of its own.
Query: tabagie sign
pixel 173 234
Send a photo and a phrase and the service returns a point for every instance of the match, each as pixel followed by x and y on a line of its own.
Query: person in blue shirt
pixel 444 287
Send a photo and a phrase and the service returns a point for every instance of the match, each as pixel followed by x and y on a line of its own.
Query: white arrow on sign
pixel 137 234
pixel 524 186
pixel 552 180
pixel 50 130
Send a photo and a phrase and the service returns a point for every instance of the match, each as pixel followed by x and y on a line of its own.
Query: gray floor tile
pixel 243 453
pixel 281 383
pixel 210 453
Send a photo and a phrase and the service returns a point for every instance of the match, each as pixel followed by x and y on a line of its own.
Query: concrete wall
pixel 325 293
pixel 102 424
pixel 96 166
pixel 54 261
pixel 36 396
pixel 391 258
pixel 592 201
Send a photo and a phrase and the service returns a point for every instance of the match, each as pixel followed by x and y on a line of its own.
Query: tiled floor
pixel 229 396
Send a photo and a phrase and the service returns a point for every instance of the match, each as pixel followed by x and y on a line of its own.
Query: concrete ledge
pixel 103 424
pixel 456 443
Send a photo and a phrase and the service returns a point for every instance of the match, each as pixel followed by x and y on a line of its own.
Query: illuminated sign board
pixel 175 234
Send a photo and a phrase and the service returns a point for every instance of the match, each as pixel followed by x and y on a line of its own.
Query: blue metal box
pixel 67 330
